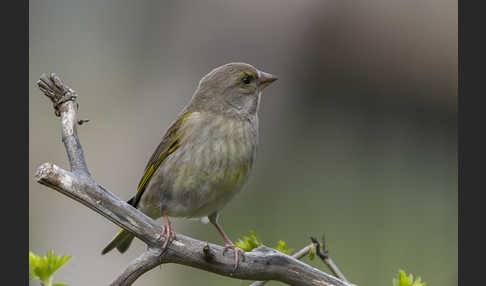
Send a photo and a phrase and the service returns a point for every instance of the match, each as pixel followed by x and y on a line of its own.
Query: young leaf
pixel 248 243
pixel 404 280
pixel 43 268
pixel 312 253
pixel 282 247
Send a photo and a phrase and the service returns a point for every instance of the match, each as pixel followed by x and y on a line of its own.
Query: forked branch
pixel 262 263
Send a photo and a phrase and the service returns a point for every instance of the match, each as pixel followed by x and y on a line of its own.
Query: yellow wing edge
pixel 173 144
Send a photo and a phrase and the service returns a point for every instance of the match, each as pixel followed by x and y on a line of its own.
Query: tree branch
pixel 263 263
pixel 322 252
pixel 298 255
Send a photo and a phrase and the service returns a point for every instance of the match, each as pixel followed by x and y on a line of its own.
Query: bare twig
pixel 83 121
pixel 323 253
pixel 262 263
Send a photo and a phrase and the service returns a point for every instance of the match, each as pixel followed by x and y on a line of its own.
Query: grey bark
pixel 262 263
pixel 298 255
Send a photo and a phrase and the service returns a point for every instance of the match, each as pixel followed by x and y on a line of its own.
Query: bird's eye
pixel 246 79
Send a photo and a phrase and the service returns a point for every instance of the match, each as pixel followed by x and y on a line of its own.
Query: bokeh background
pixel 358 137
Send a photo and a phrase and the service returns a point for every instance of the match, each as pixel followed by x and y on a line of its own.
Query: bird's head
pixel 233 88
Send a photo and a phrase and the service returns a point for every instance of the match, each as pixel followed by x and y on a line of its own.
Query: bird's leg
pixel 228 244
pixel 167 231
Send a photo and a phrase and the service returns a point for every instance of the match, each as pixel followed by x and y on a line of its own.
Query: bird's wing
pixel 170 142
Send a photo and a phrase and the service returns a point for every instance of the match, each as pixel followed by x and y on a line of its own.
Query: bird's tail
pixel 121 241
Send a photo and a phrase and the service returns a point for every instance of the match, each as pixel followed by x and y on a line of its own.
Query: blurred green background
pixel 358 137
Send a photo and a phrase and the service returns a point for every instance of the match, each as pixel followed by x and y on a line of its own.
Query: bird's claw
pixel 237 251
pixel 169 234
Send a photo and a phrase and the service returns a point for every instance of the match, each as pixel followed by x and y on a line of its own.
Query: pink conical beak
pixel 266 79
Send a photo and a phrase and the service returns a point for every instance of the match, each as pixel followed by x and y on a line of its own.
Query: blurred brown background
pixel 358 137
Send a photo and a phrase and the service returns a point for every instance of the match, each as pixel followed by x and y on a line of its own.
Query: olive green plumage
pixel 207 153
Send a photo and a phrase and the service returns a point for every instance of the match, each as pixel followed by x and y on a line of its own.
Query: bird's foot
pixel 167 232
pixel 237 251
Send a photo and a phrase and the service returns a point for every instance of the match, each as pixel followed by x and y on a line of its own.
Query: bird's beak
pixel 266 79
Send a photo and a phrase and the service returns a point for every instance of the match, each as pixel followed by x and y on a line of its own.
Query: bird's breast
pixel 212 163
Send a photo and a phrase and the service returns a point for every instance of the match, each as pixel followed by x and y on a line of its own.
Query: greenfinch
pixel 205 156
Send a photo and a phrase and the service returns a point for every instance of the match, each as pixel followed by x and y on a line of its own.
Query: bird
pixel 205 157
